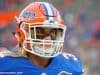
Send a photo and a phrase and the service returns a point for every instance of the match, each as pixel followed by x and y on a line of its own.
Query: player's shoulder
pixel 11 60
pixel 9 63
pixel 70 57
pixel 71 61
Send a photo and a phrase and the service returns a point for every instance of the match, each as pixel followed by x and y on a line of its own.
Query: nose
pixel 48 44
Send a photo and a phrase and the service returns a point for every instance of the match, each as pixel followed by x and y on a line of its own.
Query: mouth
pixel 46 46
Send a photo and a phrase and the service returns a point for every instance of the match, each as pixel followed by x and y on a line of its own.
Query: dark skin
pixel 39 61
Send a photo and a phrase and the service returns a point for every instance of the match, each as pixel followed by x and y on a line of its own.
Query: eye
pixel 39 33
pixel 53 33
pixel 32 33
pixel 39 30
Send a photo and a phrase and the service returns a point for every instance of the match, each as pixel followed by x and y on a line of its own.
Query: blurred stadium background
pixel 82 18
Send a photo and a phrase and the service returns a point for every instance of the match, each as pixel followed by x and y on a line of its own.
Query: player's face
pixel 47 34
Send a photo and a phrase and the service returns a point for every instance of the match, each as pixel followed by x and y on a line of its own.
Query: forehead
pixel 45 24
pixel 46 27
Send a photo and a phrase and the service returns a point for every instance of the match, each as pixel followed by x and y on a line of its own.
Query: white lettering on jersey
pixel 64 73
pixel 43 73
pixel 67 56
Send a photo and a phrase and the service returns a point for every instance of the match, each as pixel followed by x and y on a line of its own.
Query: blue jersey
pixel 64 64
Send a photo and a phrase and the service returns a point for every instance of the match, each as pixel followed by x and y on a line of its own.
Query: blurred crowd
pixel 83 28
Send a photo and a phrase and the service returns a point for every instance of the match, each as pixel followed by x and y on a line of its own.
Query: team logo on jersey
pixel 64 73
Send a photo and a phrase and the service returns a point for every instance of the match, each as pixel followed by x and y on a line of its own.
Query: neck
pixel 39 61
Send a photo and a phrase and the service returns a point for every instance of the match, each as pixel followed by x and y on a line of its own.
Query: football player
pixel 41 35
